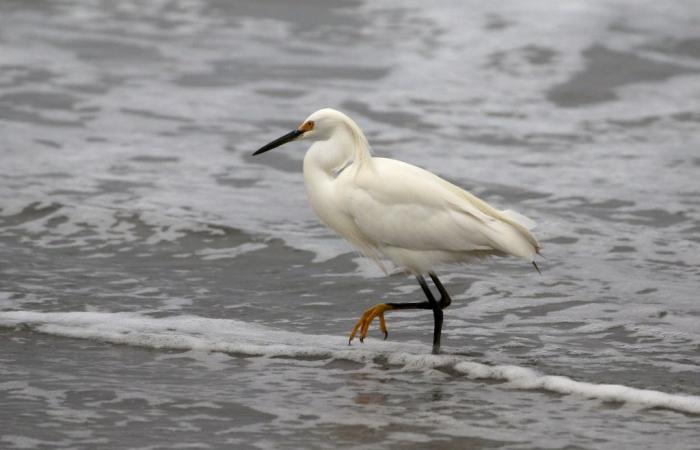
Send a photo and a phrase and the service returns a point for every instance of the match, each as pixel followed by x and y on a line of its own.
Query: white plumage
pixel 392 210
pixel 406 214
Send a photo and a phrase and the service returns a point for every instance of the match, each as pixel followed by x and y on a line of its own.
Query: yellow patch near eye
pixel 307 126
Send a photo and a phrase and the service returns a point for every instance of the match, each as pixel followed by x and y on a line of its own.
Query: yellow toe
pixel 366 319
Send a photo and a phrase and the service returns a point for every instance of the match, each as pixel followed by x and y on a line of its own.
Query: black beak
pixel 279 141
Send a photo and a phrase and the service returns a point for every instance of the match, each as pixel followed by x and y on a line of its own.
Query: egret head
pixel 318 126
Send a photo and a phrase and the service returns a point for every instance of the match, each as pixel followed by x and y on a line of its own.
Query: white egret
pixel 393 210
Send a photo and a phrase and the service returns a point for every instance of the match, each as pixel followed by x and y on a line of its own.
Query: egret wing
pixel 401 205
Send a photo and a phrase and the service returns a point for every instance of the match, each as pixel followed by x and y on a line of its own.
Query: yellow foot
pixel 367 317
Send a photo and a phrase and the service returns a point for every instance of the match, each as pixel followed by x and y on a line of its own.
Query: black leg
pixel 417 305
pixel 435 305
pixel 445 298
pixel 444 302
pixel 437 314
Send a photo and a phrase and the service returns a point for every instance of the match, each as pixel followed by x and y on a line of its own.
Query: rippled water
pixel 159 287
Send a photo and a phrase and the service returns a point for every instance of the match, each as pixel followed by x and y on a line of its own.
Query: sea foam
pixel 238 337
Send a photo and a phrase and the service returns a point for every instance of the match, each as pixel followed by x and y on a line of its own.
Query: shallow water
pixel 159 287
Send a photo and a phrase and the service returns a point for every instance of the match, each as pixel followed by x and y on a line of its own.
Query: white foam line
pixel 524 378
pixel 233 336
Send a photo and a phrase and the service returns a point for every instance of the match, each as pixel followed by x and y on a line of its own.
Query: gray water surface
pixel 127 186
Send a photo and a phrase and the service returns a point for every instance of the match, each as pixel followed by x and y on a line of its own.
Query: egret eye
pixel 307 126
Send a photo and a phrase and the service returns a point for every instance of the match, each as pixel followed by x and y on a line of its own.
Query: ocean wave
pixel 242 338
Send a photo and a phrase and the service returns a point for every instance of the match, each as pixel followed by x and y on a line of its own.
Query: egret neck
pixel 343 149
